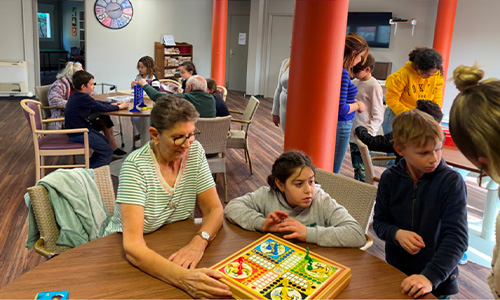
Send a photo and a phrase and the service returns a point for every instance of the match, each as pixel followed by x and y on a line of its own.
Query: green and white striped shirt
pixel 141 183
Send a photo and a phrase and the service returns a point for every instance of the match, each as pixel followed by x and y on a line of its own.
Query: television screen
pixel 374 27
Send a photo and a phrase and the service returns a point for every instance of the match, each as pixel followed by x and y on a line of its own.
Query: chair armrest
pixel 376 179
pixel 235 111
pixel 41 250
pixel 368 244
pixel 53 107
pixel 62 131
pixel 53 120
pixel 383 157
pixel 241 121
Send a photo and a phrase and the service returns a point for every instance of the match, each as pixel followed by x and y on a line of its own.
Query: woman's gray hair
pixel 169 110
pixel 69 70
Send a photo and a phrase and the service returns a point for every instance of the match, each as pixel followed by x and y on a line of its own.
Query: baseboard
pixel 16 97
pixel 256 96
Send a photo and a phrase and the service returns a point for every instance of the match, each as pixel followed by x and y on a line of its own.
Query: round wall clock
pixel 114 14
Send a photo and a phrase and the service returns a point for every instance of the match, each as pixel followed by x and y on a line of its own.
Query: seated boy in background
pixel 420 210
pixel 76 115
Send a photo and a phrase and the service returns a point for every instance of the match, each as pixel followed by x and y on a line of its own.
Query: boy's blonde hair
pixel 475 117
pixel 415 127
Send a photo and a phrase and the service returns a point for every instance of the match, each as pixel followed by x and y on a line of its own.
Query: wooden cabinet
pixel 168 59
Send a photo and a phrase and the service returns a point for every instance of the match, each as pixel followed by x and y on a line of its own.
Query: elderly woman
pixel 475 128
pixel 160 183
pixel 60 90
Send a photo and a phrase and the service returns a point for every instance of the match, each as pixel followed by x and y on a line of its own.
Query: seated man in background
pixel 196 93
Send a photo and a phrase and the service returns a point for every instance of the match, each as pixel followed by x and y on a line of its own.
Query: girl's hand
pixel 133 84
pixel 202 284
pixel 297 229
pixel 276 120
pixel 362 106
pixel 272 221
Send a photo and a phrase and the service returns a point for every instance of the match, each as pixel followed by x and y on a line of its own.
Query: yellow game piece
pixel 146 107
pixel 309 289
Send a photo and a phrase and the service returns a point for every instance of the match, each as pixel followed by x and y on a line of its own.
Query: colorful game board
pixel 273 268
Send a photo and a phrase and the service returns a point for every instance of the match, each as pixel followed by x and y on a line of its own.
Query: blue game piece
pixel 275 250
pixel 268 247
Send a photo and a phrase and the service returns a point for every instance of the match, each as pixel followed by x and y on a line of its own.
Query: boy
pixel 420 209
pixel 371 94
pixel 384 143
pixel 77 112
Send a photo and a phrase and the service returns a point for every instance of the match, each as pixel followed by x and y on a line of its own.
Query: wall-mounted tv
pixel 373 26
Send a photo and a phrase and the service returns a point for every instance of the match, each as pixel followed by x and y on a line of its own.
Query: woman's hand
pixel 362 106
pixel 276 120
pixel 272 221
pixel 190 255
pixel 202 283
pixel 297 229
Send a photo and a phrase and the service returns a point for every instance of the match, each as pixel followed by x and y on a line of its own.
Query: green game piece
pixel 307 254
pixel 309 264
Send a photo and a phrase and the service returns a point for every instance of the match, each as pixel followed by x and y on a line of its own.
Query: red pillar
pixel 318 38
pixel 219 31
pixel 443 31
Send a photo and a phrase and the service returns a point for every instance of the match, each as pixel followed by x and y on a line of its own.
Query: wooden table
pixel 99 269
pixel 144 126
pixel 455 158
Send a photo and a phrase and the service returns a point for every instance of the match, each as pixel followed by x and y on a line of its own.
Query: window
pixel 44 30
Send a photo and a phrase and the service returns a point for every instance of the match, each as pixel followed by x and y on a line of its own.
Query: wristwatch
pixel 205 235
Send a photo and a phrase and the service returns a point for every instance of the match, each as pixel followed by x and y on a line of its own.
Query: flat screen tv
pixel 373 26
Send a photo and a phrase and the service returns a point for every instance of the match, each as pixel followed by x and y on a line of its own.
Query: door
pixel 279 49
pixel 236 77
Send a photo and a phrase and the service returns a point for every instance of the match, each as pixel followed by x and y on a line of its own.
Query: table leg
pixel 490 210
pixel 144 130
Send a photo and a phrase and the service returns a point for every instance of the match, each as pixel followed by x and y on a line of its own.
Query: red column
pixel 443 31
pixel 219 30
pixel 318 38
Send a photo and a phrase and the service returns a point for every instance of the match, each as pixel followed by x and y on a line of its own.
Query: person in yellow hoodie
pixel 419 79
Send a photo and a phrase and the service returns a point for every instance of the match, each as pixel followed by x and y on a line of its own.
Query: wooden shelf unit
pixel 168 58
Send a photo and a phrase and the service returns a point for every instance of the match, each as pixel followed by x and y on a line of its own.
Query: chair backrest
pixel 367 161
pixel 32 113
pixel 357 197
pixel 249 112
pixel 44 213
pixel 214 133
pixel 223 92
pixel 42 93
pixel 169 85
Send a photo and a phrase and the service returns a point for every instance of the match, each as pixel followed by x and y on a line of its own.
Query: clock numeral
pixel 120 23
pixel 101 3
pixel 126 4
pixel 126 18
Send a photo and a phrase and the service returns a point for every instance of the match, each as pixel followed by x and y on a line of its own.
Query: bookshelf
pixel 168 58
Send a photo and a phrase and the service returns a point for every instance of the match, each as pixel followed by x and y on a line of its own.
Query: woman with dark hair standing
pixel 421 78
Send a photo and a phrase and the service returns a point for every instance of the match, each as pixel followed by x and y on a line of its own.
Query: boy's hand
pixel 410 241
pixel 123 105
pixel 362 106
pixel 416 286
pixel 272 221
pixel 297 229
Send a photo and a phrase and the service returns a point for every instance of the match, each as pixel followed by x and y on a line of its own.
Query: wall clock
pixel 114 14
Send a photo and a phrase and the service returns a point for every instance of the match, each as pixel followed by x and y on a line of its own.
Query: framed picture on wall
pixel 73 21
pixel 73 31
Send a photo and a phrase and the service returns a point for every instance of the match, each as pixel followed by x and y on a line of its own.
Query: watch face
pixel 114 14
pixel 205 235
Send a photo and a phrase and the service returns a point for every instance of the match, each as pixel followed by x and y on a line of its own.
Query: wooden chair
pixel 239 138
pixel 223 92
pixel 41 93
pixel 45 218
pixel 52 142
pixel 372 159
pixel 357 197
pixel 213 138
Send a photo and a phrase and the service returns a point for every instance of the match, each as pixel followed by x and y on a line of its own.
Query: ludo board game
pixel 273 268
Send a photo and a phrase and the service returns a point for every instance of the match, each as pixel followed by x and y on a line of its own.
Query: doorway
pixel 237 52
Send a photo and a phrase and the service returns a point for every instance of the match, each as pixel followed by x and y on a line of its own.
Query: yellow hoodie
pixel 405 87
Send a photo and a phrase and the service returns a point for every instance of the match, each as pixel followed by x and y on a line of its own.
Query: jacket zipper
pixel 413 204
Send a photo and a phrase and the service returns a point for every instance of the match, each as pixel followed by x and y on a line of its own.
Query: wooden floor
pixel 266 142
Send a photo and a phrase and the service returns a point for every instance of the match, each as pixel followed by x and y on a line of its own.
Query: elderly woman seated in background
pixel 160 183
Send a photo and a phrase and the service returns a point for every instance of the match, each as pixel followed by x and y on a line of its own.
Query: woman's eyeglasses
pixel 482 174
pixel 181 140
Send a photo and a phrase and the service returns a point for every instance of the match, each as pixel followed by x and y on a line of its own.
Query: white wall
pixel 476 37
pixel 112 55
pixel 17 36
pixel 68 39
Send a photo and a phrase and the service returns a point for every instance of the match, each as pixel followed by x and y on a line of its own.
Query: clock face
pixel 114 14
